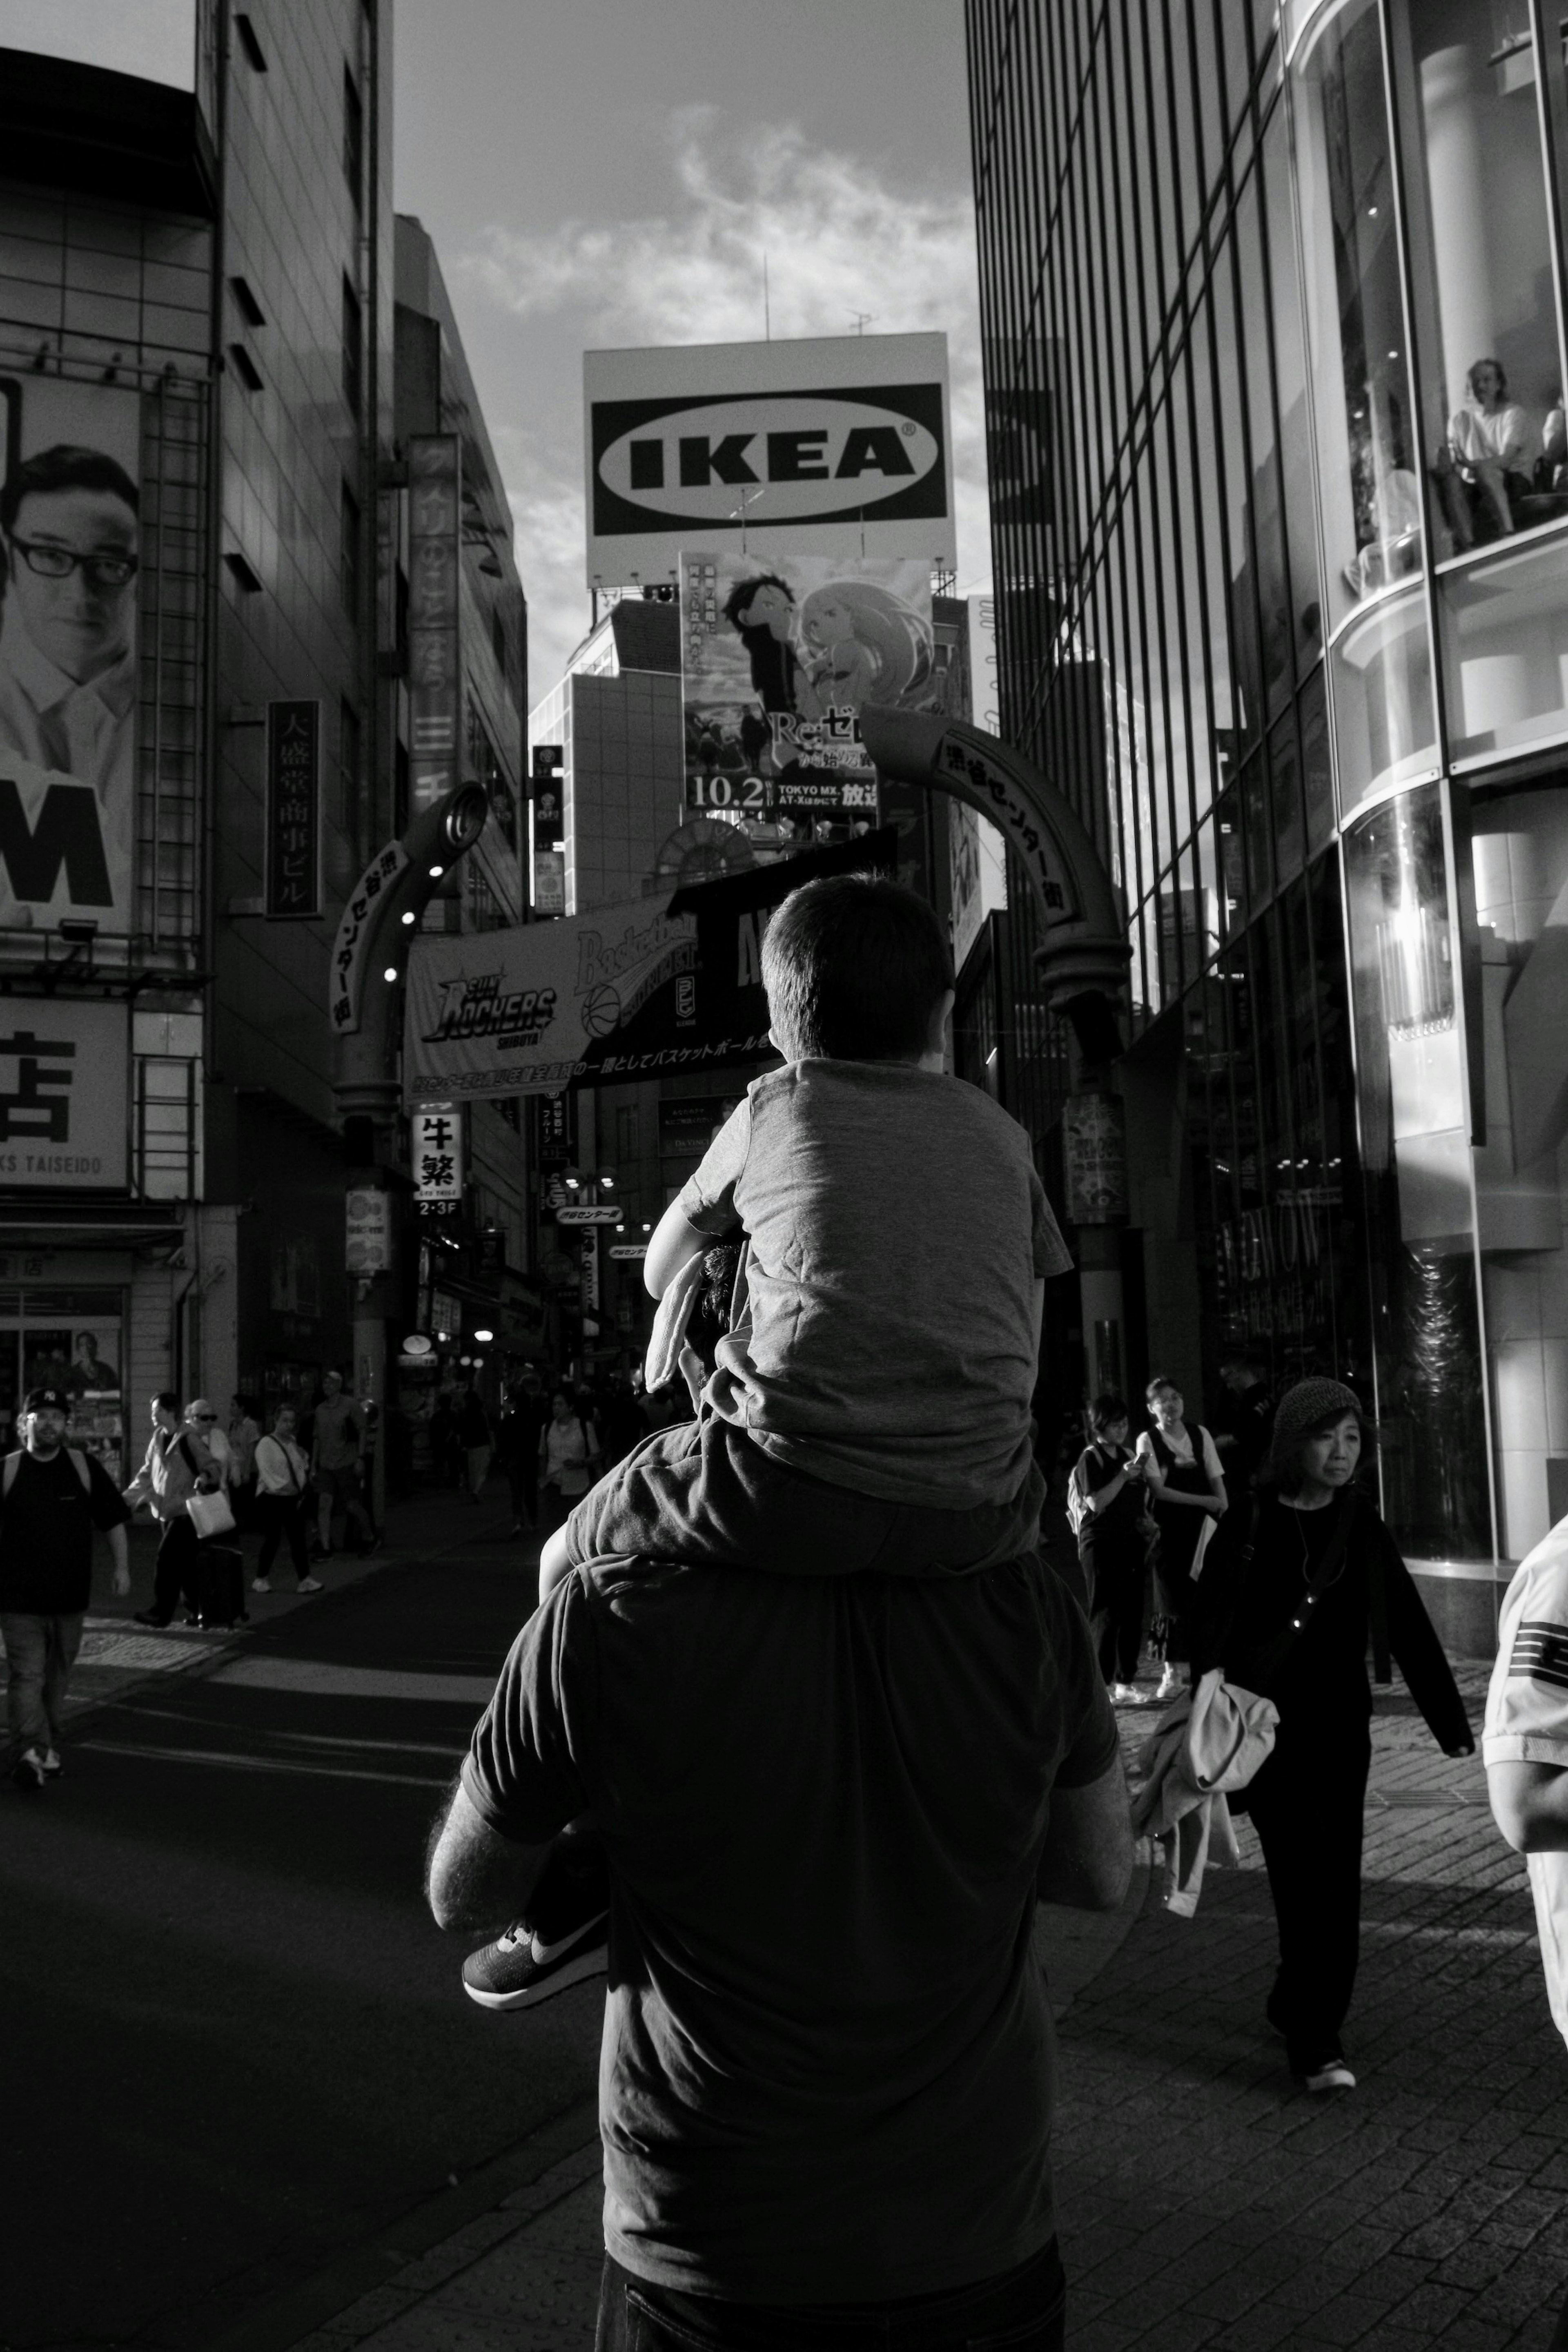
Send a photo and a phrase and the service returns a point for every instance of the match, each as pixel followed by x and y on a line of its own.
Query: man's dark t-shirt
pixel 46 1534
pixel 828 2064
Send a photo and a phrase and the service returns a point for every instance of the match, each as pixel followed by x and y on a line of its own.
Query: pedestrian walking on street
pixel 337 1446
pixel 1187 1490
pixel 177 1465
pixel 522 1425
pixel 1114 1532
pixel 569 1459
pixel 52 1496
pixel 1288 1607
pixel 283 1503
pixel 244 1435
pixel 476 1439
pixel 1525 1745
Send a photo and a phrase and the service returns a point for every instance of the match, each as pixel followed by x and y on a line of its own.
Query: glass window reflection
pixel 1481 272
pixel 1367 443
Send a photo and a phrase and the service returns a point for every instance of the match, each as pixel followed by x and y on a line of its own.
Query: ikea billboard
pixel 835 446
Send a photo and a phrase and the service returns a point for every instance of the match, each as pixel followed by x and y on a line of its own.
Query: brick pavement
pixel 1204 2201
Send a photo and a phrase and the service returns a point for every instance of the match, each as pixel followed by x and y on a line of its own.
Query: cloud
pixel 841 238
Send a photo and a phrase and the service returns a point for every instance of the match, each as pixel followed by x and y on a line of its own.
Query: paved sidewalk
pixel 1203 2200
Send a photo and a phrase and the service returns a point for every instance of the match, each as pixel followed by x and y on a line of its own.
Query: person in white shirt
pixel 1492 446
pixel 1525 1747
pixel 282 1502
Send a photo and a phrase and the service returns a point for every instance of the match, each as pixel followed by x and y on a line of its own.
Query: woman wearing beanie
pixel 1288 1609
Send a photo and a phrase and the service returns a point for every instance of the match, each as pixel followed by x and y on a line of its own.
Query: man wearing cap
pixel 52 1496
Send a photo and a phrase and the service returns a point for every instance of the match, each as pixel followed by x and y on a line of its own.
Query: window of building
pixel 1484 283
pixel 249 308
pixel 353 350
pixel 1368 434
pixel 250 45
pixel 349 554
pixel 353 138
pixel 242 365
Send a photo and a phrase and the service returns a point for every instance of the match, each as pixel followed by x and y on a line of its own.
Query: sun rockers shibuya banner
pixel 777 654
pixel 624 993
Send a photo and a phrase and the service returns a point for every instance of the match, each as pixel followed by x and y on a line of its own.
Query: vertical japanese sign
pixel 293 810
pixel 434 535
pixel 63 1076
pixel 437 1143
pixel 546 792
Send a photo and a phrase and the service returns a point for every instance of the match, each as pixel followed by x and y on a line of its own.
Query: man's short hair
pixel 741 594
pixel 66 466
pixel 854 967
pixel 167 1400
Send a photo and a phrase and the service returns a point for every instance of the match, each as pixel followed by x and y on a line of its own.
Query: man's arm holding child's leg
pixel 475 1879
pixel 1087 1860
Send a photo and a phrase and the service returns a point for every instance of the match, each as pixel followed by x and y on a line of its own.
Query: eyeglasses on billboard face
pixel 52 562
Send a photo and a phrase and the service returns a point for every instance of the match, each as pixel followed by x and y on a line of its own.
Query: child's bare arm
pixel 677 1241
pixel 555 1563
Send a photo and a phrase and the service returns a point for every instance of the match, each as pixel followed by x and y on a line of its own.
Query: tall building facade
pixel 1272 306
pixel 205 727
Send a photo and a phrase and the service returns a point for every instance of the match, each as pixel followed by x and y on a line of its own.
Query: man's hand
pixel 1088 1857
pixel 475 1879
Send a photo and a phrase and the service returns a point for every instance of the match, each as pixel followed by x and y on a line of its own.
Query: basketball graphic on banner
pixel 600 1011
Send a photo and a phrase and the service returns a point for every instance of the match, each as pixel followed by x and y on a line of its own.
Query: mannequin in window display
pixel 1489 459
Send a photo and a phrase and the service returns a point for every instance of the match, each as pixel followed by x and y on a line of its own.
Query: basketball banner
pixel 627 991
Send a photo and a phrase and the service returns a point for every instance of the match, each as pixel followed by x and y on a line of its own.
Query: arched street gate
pixel 1082 966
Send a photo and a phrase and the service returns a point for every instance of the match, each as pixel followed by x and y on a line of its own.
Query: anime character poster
pixel 778 656
pixel 69 540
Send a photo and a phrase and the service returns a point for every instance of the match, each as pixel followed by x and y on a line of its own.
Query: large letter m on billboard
pixel 67 839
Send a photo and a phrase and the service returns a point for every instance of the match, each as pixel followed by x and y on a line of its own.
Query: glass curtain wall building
pixel 1273 301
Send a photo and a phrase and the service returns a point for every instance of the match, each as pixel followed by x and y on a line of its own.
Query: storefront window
pixel 1368 452
pixel 1415 1146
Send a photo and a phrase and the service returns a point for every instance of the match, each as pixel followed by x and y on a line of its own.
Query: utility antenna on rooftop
pixel 862 320
pixel 767 305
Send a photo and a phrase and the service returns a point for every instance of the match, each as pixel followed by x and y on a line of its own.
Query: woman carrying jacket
pixel 1186 1492
pixel 1287 1606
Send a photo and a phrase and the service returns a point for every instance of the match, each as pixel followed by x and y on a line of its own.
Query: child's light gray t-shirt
pixel 897 1226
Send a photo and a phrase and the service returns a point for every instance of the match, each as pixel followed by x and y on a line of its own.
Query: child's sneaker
pixel 564 1939
pixel 520 1969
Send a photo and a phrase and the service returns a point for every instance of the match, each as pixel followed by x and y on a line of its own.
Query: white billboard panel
pixel 835 446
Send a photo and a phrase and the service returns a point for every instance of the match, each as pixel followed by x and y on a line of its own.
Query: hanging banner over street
pixel 834 444
pixel 625 992
pixel 71 467
pixel 777 657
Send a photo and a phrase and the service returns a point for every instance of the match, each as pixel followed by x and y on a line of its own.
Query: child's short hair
pixel 855 967
pixel 1106 1410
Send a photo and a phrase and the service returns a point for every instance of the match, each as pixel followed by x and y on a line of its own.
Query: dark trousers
pixel 175 1571
pixel 1118 1573
pixel 523 1477
pixel 281 1517
pixel 1306 1804
pixel 1024 2310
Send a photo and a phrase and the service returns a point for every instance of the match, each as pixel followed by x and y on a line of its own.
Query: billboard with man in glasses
pixel 69 524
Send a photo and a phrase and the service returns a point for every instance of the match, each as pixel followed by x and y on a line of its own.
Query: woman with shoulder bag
pixel 178 1469
pixel 283 1502
pixel 1287 1610
pixel 1111 1511
pixel 1188 1495
pixel 568 1460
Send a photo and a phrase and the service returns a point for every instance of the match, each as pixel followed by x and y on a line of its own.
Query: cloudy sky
pixel 611 172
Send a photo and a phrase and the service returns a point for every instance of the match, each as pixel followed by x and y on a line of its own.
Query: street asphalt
pixel 235 2043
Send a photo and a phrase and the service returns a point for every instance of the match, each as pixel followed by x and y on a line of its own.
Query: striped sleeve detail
pixel 1540 1653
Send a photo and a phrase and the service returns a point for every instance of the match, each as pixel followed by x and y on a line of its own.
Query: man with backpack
pixel 52 1496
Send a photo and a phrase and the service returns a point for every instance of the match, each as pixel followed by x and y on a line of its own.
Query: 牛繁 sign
pixel 836 445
